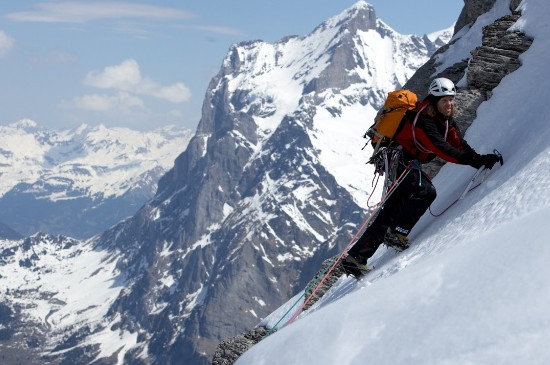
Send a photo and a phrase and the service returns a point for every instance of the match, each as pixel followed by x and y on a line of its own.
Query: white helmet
pixel 442 87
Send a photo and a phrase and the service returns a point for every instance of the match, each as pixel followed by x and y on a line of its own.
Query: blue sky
pixel 144 64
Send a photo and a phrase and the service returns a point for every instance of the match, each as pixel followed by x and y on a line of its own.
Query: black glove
pixel 489 160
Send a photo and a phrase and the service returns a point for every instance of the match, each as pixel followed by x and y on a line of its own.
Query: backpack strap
pixel 416 142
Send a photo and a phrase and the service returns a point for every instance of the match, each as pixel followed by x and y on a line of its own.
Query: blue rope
pixel 312 285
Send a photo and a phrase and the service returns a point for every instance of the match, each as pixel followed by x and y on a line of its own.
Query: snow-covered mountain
pixel 273 182
pixel 55 292
pixel 82 181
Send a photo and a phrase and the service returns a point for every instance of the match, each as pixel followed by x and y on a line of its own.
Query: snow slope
pixel 473 288
pixel 59 284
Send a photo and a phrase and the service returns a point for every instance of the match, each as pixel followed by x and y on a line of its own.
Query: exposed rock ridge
pixel 498 55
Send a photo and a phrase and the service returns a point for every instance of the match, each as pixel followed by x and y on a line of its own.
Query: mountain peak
pixel 81 129
pixel 360 16
pixel 360 6
pixel 27 125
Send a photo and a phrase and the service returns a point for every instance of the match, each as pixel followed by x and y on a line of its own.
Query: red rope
pixel 390 191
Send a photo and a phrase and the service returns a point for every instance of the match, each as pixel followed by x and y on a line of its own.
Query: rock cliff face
pixel 471 11
pixel 489 63
pixel 498 55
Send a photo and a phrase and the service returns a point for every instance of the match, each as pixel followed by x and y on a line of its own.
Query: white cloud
pixel 175 93
pixel 97 102
pixel 80 12
pixel 86 11
pixel 6 43
pixel 127 77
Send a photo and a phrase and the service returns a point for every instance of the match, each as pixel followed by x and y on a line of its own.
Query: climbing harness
pixel 386 162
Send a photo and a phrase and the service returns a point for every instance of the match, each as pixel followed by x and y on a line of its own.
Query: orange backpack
pixel 389 118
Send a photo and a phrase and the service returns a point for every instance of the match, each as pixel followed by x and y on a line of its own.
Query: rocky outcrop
pixel 232 348
pixel 319 285
pixel 474 8
pixel 498 55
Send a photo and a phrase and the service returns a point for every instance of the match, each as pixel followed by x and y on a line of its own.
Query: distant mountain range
pixel 82 181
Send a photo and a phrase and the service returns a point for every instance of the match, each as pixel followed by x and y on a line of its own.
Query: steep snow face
pixel 473 287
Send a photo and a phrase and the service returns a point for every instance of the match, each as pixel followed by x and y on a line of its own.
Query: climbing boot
pixel 396 240
pixel 353 267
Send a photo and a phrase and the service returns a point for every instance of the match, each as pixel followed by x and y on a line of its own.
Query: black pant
pixel 400 212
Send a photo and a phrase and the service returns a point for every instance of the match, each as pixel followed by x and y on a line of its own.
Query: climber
pixel 428 132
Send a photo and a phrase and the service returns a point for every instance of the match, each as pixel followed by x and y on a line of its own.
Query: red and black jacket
pixel 433 136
